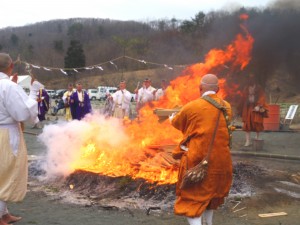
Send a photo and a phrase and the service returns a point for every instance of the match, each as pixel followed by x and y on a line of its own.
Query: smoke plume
pixel 276 31
pixel 285 4
pixel 64 141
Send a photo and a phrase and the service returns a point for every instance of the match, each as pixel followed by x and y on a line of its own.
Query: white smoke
pixel 65 140
pixel 285 4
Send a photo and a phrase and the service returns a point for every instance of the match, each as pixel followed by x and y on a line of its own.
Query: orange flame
pixel 244 16
pixel 133 158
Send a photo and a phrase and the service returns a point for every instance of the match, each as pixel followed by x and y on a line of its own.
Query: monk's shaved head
pixel 210 79
pixel 209 82
pixel 5 62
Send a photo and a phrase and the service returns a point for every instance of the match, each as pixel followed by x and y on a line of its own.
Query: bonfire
pixel 140 149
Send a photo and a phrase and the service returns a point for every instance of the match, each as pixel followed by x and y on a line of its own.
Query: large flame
pixel 129 155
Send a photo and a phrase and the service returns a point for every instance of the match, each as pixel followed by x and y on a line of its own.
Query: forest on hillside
pixel 276 48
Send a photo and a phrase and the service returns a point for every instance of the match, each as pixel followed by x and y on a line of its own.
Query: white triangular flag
pixel 35 66
pixel 64 72
pixel 75 70
pixel 142 61
pixel 99 67
pixel 114 64
pixel 45 68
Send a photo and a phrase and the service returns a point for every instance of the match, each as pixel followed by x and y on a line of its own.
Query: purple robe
pixel 43 104
pixel 80 109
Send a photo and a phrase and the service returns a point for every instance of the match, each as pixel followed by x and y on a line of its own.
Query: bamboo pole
pixel 28 132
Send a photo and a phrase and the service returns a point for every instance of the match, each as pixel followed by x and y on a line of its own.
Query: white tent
pixel 24 81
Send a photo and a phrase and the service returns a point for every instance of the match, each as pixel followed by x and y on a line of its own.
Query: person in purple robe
pixel 43 103
pixel 80 104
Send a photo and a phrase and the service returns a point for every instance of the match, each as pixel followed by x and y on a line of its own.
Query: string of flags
pixel 96 66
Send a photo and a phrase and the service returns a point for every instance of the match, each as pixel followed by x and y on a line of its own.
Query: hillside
pixel 172 42
pixel 113 79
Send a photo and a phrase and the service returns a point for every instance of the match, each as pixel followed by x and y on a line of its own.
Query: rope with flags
pixel 96 66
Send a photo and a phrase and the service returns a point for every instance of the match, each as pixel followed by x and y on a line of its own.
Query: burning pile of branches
pixel 109 147
pixel 97 187
pixel 100 186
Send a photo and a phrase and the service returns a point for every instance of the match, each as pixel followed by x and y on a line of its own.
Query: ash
pixel 90 189
pixel 35 169
pixel 243 179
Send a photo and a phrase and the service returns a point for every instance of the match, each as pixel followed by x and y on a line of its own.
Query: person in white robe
pixel 161 91
pixel 33 94
pixel 66 98
pixel 145 94
pixel 15 107
pixel 121 99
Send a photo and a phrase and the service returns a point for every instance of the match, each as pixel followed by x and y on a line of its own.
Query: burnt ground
pixel 261 185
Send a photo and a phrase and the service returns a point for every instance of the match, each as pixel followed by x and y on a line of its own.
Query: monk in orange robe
pixel 254 109
pixel 199 119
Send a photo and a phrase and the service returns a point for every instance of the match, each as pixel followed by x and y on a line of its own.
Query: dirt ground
pixel 42 208
pixel 273 187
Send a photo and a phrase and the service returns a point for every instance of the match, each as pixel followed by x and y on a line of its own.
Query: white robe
pixel 121 103
pixel 34 93
pixel 160 92
pixel 35 89
pixel 145 94
pixel 15 106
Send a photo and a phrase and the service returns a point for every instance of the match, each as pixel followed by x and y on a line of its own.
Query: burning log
pixel 168 158
pixel 166 154
pixel 101 186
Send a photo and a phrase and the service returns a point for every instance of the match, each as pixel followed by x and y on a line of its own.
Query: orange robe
pixel 199 118
pixel 252 120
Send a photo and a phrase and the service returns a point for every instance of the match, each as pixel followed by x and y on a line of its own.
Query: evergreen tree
pixel 58 45
pixel 75 57
pixel 14 39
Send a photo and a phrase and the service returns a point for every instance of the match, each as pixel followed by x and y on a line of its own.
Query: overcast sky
pixel 23 12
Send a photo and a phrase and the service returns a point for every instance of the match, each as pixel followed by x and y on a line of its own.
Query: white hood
pixel 34 89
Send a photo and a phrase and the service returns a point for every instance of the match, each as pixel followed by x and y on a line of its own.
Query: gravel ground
pixel 277 189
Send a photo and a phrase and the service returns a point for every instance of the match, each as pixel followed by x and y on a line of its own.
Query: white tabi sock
pixel 208 215
pixel 247 139
pixel 194 221
pixel 3 208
